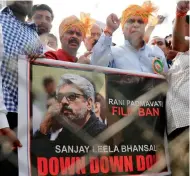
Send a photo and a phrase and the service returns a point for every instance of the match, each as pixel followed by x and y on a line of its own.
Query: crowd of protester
pixel 26 31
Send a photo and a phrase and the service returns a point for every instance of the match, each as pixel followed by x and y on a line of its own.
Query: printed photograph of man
pixel 75 99
pixel 72 113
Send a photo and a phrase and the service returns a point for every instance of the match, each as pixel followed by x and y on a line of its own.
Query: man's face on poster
pixel 75 105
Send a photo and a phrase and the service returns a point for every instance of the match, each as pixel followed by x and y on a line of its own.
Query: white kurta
pixel 126 56
pixel 177 99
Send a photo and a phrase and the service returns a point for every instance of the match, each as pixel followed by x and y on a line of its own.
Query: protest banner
pixel 73 111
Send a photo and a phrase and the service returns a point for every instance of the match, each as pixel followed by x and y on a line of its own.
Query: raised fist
pixel 112 22
pixel 183 6
pixel 50 118
pixel 160 18
pixel 153 21
pixel 55 109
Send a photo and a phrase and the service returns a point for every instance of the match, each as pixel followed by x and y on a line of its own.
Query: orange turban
pixel 87 21
pixel 143 11
pixel 84 24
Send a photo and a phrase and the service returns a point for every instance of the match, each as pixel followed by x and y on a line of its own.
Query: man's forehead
pixel 157 39
pixel 42 12
pixel 136 17
pixel 52 39
pixel 73 28
pixel 69 88
pixel 95 28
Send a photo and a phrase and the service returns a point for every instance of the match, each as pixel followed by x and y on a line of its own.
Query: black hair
pixel 40 7
pixel 187 19
pixel 47 80
pixel 168 45
pixel 113 44
pixel 170 35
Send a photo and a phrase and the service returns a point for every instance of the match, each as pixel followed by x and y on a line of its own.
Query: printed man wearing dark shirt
pixel 71 115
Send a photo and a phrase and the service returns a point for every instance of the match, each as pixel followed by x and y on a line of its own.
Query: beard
pixel 78 116
pixel 68 114
pixel 42 30
pixel 68 117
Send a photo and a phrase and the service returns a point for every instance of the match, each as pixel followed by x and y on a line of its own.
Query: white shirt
pixel 55 134
pixel 3 111
pixel 187 38
pixel 126 56
pixel 177 98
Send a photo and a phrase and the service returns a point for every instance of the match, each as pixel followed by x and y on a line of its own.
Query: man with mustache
pixel 72 32
pixel 135 54
pixel 75 100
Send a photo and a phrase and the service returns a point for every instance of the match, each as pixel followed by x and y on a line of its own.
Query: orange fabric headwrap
pixel 87 21
pixel 84 24
pixel 143 11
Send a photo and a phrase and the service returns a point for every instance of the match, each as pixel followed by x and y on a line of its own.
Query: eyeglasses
pixel 71 96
